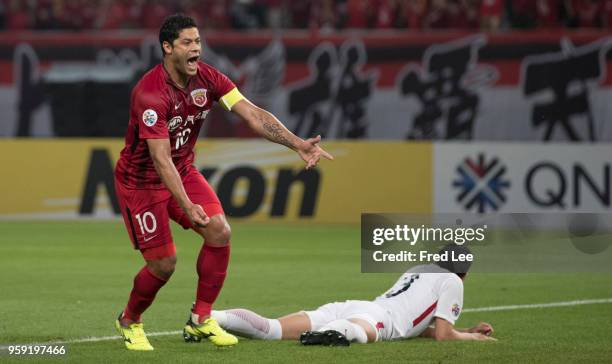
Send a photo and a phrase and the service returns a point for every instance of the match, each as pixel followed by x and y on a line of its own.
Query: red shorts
pixel 147 213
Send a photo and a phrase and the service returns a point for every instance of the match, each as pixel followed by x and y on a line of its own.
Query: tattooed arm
pixel 268 126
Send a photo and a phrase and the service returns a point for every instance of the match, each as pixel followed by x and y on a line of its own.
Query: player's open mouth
pixel 192 62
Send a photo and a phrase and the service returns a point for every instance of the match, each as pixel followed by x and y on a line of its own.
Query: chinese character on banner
pixel 332 101
pixel 566 75
pixel 448 104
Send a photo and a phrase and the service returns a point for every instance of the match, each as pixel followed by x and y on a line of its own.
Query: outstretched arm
pixel 268 126
pixel 444 330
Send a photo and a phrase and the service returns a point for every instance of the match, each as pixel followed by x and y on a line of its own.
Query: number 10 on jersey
pixel 181 138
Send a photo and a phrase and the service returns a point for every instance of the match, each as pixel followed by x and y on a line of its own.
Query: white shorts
pixel 364 310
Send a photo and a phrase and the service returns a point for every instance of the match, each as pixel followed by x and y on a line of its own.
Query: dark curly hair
pixel 171 28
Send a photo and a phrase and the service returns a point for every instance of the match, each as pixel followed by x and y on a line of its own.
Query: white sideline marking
pixel 538 305
pixel 467 310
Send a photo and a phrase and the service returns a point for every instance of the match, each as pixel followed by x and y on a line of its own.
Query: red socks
pixel 143 293
pixel 212 268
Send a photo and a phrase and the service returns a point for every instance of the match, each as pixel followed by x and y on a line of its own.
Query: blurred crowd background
pixel 311 14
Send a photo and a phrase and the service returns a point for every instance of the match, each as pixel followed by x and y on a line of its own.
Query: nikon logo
pixel 229 187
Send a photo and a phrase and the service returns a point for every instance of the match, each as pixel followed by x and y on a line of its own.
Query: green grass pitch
pixel 69 280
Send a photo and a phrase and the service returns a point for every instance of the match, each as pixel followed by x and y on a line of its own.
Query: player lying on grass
pixel 425 301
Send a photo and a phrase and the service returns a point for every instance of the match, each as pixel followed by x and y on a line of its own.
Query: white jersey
pixel 420 295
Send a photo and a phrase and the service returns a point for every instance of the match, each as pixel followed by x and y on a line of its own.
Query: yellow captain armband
pixel 230 99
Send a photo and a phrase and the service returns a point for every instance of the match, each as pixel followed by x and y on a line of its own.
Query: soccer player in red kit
pixel 156 181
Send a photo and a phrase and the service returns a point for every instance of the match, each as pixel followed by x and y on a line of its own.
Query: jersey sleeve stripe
pixel 230 99
pixel 424 314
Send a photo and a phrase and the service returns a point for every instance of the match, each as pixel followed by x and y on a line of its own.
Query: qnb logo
pixel 481 184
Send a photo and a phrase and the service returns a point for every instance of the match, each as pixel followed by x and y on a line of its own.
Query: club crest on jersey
pixel 149 117
pixel 456 310
pixel 199 96
pixel 174 123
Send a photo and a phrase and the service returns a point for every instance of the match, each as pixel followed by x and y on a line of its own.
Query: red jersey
pixel 159 109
